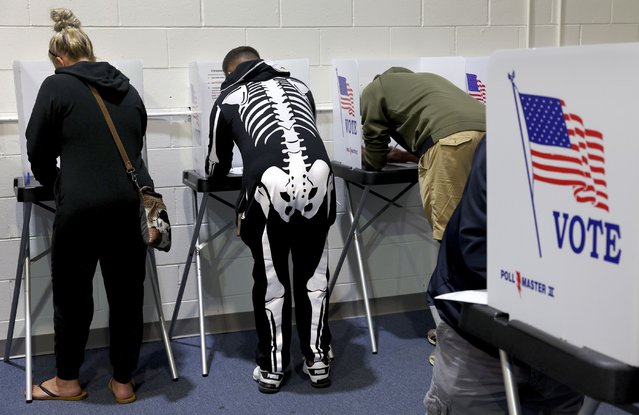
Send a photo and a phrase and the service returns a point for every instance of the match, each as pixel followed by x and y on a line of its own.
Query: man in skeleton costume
pixel 286 207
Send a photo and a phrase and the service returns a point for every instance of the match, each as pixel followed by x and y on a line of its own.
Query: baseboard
pixel 225 323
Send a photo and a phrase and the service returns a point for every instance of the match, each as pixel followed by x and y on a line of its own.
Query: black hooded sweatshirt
pixel 66 122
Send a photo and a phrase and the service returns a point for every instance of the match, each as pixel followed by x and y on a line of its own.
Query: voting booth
pixel 563 233
pixel 28 76
pixel 205 80
pixel 351 76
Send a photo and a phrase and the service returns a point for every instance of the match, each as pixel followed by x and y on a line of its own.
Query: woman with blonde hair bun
pixel 96 220
pixel 69 39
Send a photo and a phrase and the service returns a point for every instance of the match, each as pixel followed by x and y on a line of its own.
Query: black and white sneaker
pixel 318 372
pixel 267 382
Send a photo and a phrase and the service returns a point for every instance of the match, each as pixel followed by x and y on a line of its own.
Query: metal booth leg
pixel 353 235
pixel 189 259
pixel 24 265
pixel 589 406
pixel 24 253
pixel 512 394
pixel 360 263
pixel 27 323
pixel 200 303
pixel 158 306
pixel 347 244
pixel 194 249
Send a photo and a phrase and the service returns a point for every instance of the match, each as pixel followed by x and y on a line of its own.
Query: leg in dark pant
pixel 123 269
pixel 271 287
pixel 310 283
pixel 73 264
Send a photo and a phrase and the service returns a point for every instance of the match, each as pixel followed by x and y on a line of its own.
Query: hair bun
pixel 64 18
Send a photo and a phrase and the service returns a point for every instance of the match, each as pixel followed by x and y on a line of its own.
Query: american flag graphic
pixel 346 101
pixel 476 87
pixel 563 151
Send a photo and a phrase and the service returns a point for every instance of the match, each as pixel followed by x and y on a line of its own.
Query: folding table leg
pixel 24 252
pixel 350 235
pixel 200 303
pixel 358 251
pixel 28 393
pixel 512 394
pixel 194 249
pixel 189 258
pixel 158 306
pixel 353 236
pixel 435 314
pixel 589 406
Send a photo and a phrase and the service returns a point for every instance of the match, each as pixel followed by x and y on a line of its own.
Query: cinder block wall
pixel 168 34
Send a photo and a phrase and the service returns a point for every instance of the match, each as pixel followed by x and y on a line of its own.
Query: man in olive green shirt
pixel 432 119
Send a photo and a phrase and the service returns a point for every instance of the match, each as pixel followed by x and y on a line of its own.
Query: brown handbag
pixel 154 219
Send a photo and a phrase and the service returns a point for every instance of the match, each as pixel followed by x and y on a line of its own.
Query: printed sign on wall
pixel 562 227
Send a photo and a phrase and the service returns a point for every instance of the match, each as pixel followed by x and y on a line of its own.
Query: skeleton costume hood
pixel 270 116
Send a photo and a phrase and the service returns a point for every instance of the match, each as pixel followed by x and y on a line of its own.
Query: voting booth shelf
pixel 598 376
pixel 563 234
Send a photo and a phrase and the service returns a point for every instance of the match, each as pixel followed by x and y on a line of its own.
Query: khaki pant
pixel 443 171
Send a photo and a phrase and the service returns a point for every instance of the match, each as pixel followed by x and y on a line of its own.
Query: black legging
pixel 81 240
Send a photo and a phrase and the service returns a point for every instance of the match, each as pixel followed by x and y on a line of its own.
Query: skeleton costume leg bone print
pixel 290 210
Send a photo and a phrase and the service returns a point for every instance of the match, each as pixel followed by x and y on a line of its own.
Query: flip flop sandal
pixel 50 396
pixel 129 399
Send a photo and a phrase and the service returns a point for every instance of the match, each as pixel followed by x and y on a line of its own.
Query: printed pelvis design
pixel 298 186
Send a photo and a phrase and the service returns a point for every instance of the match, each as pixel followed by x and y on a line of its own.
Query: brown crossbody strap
pixel 116 137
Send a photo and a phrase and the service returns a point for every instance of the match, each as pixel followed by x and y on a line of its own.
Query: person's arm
pixel 220 152
pixel 396 155
pixel 143 123
pixel 375 127
pixel 141 169
pixel 43 136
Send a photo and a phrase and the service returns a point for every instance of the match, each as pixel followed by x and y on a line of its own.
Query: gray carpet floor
pixel 393 381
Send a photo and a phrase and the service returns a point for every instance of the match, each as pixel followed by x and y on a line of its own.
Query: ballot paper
pixel 468 296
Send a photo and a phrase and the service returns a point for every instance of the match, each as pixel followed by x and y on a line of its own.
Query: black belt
pixel 425 146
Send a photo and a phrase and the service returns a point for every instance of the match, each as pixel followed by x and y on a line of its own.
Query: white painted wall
pixel 168 34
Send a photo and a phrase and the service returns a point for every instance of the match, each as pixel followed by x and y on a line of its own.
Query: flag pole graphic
pixel 339 101
pixel 511 77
